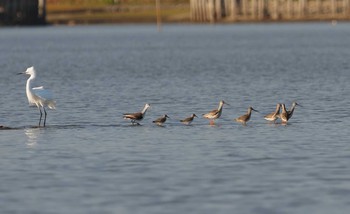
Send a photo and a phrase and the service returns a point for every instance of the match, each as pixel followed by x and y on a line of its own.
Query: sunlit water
pixel 89 160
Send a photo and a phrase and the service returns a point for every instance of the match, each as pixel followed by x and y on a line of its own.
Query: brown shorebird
pixel 272 117
pixel 245 118
pixel 284 114
pixel 161 120
pixel 216 113
pixel 138 116
pixel 188 120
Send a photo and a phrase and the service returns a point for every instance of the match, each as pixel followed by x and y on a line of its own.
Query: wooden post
pixel 289 9
pixel 218 11
pixel 301 8
pixel 205 9
pixel 192 9
pixel 234 10
pixel 201 10
pixel 275 9
pixel 244 9
pixel 253 9
pixel 333 8
pixel 159 20
pixel 318 7
pixel 260 9
pixel 227 4
pixel 211 11
pixel 345 7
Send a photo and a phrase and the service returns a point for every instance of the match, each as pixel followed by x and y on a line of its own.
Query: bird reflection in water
pixel 32 136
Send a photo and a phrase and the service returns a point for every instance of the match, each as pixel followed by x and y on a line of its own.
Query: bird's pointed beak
pixel 255 110
pixel 299 105
pixel 20 73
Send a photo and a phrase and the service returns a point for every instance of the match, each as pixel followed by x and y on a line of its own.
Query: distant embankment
pixel 265 10
pixel 115 11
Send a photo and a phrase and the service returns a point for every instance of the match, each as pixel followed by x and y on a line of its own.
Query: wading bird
pixel 38 96
pixel 188 120
pixel 138 116
pixel 245 118
pixel 272 117
pixel 161 120
pixel 284 114
pixel 291 110
pixel 215 114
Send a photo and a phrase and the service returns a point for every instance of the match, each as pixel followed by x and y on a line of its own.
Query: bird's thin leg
pixel 41 114
pixel 45 117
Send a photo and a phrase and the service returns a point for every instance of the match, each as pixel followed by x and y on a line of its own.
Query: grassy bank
pixel 115 11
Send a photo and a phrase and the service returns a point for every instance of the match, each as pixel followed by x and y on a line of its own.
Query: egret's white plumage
pixel 38 96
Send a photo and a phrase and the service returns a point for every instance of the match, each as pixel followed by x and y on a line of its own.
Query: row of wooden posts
pixel 255 10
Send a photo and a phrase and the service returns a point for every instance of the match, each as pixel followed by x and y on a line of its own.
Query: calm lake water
pixel 89 160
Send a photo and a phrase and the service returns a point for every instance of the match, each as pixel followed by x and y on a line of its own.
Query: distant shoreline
pixel 146 21
pixel 146 14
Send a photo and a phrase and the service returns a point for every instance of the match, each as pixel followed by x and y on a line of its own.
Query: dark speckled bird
pixel 138 116
pixel 161 120
pixel 188 120
pixel 291 110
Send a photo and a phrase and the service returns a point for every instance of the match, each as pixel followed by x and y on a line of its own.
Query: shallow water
pixel 89 160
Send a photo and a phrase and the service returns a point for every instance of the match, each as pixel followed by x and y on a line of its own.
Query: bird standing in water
pixel 138 116
pixel 291 110
pixel 38 96
pixel 246 117
pixel 188 120
pixel 161 120
pixel 272 117
pixel 216 113
pixel 284 114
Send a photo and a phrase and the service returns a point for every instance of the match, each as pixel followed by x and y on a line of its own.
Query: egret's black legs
pixel 41 114
pixel 45 117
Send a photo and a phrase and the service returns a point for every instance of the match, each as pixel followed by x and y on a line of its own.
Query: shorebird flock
pixel 284 115
pixel 42 98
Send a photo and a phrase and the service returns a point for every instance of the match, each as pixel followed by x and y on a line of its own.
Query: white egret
pixel 38 96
